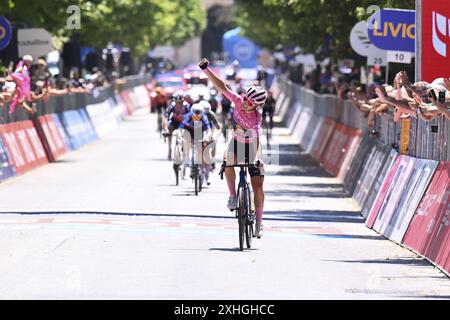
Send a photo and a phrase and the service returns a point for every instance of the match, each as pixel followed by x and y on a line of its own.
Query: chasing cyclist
pixel 174 116
pixel 198 126
pixel 215 125
pixel 246 136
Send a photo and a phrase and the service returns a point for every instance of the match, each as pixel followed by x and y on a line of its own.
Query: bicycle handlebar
pixel 244 165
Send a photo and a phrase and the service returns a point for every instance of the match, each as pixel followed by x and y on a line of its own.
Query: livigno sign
pixel 393 29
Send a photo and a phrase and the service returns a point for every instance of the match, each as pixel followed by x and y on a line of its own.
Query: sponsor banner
pixel 51 137
pixel 395 193
pixel 89 128
pixel 285 107
pixel 35 141
pixel 121 106
pixel 438 249
pixel 383 192
pixel 354 139
pixel 308 135
pixel 6 166
pixel 63 133
pixel 411 196
pixel 378 155
pixel 423 225
pixel 103 118
pixel 74 125
pixel 323 137
pixel 373 192
pixel 280 102
pixel 127 101
pixel 335 151
pixel 14 150
pixel 302 124
pixel 293 121
pixel 434 47
pixel 23 145
pixel 358 163
pixel 318 128
pixel 142 96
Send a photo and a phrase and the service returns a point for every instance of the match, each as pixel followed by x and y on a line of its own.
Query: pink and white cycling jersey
pixel 247 125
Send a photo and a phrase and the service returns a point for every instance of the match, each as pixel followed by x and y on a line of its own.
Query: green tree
pixel 138 24
pixel 307 23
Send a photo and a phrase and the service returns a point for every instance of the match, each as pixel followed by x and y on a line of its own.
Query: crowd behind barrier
pixel 404 197
pixel 65 123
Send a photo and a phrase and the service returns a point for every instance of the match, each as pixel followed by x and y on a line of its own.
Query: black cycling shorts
pixel 239 152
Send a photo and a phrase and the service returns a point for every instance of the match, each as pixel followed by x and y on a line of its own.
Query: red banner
pixel 429 230
pixel 435 44
pixel 23 145
pixel 52 136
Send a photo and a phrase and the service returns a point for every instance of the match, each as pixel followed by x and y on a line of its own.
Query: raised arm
pixel 217 82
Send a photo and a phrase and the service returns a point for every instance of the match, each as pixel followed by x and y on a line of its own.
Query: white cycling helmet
pixel 256 95
pixel 205 105
pixel 197 109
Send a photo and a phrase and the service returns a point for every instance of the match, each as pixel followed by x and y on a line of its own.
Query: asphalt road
pixel 107 222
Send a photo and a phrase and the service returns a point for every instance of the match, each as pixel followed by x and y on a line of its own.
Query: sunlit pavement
pixel 108 222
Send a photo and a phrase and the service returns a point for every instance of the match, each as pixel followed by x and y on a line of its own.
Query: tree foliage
pixel 321 27
pixel 138 24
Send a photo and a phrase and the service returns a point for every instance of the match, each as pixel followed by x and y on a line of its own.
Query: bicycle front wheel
pixel 242 222
pixel 247 221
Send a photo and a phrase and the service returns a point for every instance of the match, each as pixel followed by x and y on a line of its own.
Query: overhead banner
pixel 434 46
pixel 393 30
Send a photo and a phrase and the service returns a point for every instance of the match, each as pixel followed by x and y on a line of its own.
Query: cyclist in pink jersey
pixel 245 145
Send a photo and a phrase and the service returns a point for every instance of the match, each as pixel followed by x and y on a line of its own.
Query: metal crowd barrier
pixel 70 102
pixel 427 139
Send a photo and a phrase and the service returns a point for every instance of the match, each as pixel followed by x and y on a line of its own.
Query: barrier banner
pixel 280 102
pixel 89 128
pixel 395 193
pixel 127 101
pixel 438 249
pixel 377 158
pixel 335 151
pixel 365 150
pixel 6 167
pixel 285 107
pixel 36 143
pixel 385 187
pixel 322 138
pixel 354 139
pixel 27 152
pixel 121 106
pixel 315 134
pixel 75 128
pixel 413 193
pixel 58 140
pixel 10 141
pixel 293 118
pixel 378 183
pixel 308 134
pixel 302 124
pixel 425 221
pixel 102 118
pixel 116 109
pixel 52 137
pixel 61 130
pixel 46 137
